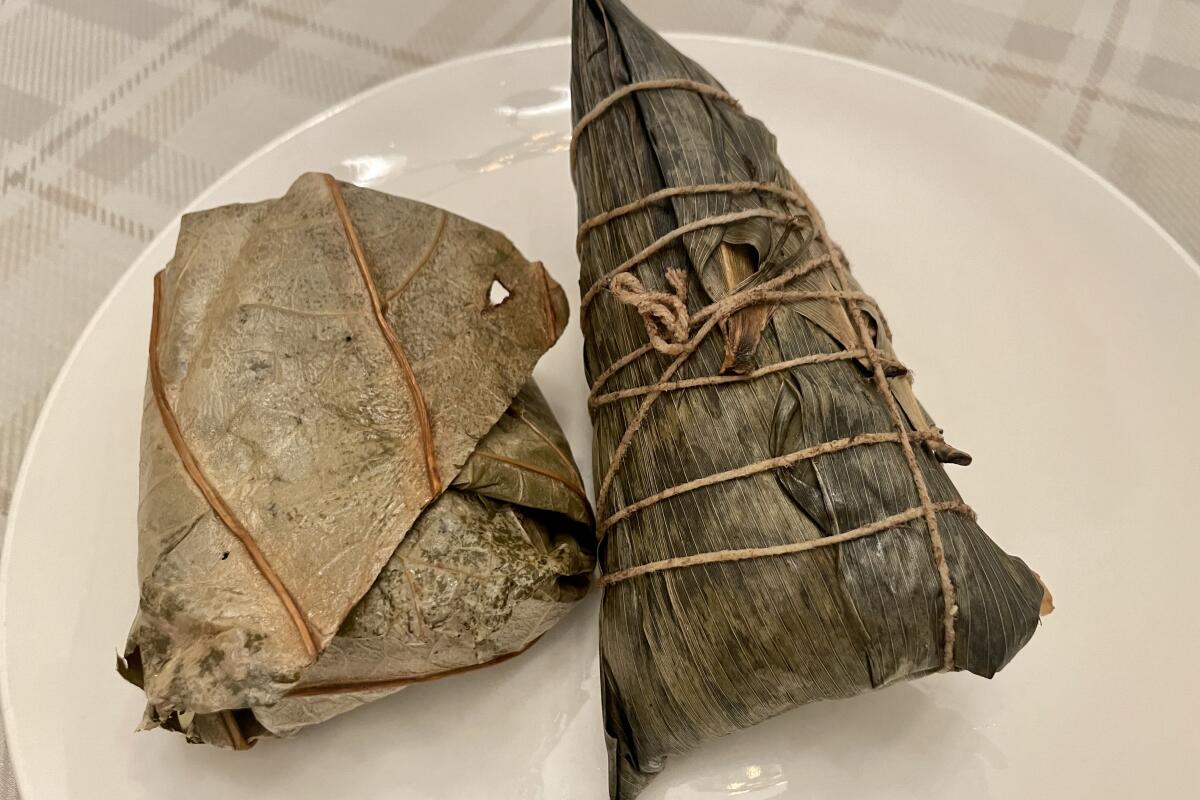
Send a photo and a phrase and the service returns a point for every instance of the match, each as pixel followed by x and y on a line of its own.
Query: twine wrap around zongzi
pixel 670 326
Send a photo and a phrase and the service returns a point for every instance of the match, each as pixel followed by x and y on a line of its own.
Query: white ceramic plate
pixel 1053 328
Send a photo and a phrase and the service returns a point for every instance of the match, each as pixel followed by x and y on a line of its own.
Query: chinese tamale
pixel 776 526
pixel 349 481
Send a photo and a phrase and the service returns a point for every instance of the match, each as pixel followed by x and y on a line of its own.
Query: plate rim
pixel 15 756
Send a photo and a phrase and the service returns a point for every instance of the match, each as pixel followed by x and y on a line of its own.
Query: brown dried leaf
pixel 286 329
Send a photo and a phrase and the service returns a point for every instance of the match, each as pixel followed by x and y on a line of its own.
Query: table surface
pixel 114 114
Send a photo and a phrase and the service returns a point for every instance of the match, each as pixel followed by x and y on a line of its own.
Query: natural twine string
pixel 949 592
pixel 703 314
pixel 887 523
pixel 643 86
pixel 666 314
pixel 668 323
pixel 716 380
pixel 666 240
pixel 766 465
pixel 712 316
pixel 654 391
pixel 737 187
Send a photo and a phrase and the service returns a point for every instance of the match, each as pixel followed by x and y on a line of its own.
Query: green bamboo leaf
pixel 690 654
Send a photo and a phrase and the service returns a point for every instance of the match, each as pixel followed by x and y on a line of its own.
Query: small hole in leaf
pixel 225 555
pixel 498 293
pixel 349 338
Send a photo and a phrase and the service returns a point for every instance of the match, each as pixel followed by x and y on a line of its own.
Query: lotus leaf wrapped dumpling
pixel 349 480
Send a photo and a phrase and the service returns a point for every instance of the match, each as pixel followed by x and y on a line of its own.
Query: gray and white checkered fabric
pixel 115 113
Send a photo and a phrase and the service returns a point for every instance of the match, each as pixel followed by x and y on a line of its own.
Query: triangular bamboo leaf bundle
pixel 349 480
pixel 779 528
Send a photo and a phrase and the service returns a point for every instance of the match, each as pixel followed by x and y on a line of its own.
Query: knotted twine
pixel 669 329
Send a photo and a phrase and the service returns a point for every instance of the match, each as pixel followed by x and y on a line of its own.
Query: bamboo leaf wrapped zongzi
pixel 349 481
pixel 775 523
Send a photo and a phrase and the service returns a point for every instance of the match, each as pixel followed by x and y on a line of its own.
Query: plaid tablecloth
pixel 116 113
